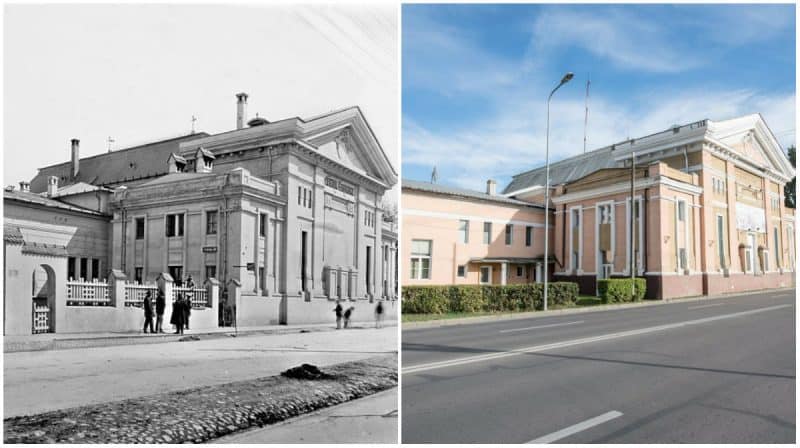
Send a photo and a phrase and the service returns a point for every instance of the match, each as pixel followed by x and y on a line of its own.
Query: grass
pixel 583 301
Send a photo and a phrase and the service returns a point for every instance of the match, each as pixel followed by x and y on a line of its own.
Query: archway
pixel 43 299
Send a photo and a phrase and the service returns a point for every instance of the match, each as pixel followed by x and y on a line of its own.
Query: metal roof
pixel 564 171
pixel 34 198
pixel 462 192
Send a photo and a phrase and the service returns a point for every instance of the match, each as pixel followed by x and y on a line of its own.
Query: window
pixel 463 231
pixel 681 210
pixel 211 222
pixel 262 224
pixel 261 282
pixel 487 233
pixel 421 259
pixel 176 272
pixel 528 235
pixel 137 275
pixel 682 261
pixel 509 234
pixel 721 240
pixel 369 218
pixel 775 203
pixel 330 182
pixel 462 270
pixel 139 228
pixel 749 253
pixel 519 271
pixel 84 262
pixel 486 275
pixel 71 268
pixel 211 271
pixel 95 268
pixel 300 197
pixel 175 225
pixel 575 238
pixel 605 214
pixel 777 247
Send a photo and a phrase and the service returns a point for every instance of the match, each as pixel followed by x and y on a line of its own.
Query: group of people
pixel 181 310
pixel 345 315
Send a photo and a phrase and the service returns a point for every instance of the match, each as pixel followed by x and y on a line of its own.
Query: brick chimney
pixel 75 156
pixel 52 185
pixel 491 187
pixel 24 186
pixel 241 109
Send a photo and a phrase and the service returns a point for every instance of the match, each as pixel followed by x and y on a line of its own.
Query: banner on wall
pixel 750 218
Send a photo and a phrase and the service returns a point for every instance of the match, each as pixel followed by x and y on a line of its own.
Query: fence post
pixel 234 294
pixel 116 287
pixel 212 294
pixel 165 284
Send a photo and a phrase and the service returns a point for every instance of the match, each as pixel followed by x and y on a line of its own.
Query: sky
pixel 476 79
pixel 138 73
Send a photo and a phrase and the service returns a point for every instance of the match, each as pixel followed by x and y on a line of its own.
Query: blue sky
pixel 476 79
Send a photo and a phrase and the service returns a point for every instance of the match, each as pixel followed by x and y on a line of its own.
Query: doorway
pixel 369 270
pixel 303 260
pixel 43 300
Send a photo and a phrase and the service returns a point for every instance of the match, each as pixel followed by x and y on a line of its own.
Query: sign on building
pixel 750 218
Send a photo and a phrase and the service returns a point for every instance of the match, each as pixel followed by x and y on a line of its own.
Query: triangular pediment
pixel 751 139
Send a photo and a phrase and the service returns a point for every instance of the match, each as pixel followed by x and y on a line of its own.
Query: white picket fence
pixel 135 293
pixel 83 293
pixel 198 296
pixel 41 319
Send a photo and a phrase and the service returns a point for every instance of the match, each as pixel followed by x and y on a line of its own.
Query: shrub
pixel 618 290
pixel 492 298
pixel 425 299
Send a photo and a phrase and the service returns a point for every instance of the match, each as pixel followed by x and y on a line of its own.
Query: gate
pixel 41 317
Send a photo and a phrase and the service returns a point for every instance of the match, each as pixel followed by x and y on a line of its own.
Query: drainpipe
pixel 686 158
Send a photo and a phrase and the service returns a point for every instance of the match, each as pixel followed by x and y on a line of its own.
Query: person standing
pixel 161 304
pixel 338 310
pixel 347 314
pixel 148 313
pixel 378 314
pixel 187 310
pixel 177 315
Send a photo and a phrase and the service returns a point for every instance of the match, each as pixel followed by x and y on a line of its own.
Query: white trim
pixel 480 274
pixel 443 215
pixel 622 187
pixel 639 240
pixel 578 269
pixel 719 204
pixel 524 190
pixel 598 261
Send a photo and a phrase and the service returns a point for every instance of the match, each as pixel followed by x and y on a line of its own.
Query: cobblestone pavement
pixel 204 413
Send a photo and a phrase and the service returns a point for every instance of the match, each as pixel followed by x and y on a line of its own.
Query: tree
pixel 790 188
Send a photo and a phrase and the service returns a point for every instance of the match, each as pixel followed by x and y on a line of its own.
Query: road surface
pixel 712 371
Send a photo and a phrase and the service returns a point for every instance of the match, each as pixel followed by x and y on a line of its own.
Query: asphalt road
pixel 712 371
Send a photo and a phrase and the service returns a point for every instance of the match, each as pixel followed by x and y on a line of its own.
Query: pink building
pixel 457 236
pixel 708 214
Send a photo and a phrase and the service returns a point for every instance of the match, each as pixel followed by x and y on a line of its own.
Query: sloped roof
pixel 175 177
pixel 77 188
pixel 564 171
pixel 461 192
pixel 138 162
pixel 12 234
pixel 33 198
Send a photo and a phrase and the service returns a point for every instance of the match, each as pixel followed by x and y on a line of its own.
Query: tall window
pixel 262 224
pixel 463 231
pixel 575 226
pixel 421 259
pixel 211 222
pixel 176 272
pixel 95 268
pixel 486 275
pixel 528 235
pixel 487 232
pixel 605 214
pixel 84 264
pixel 175 225
pixel 71 268
pixel 139 228
pixel 721 241
pixel 211 271
pixel 462 270
pixel 137 275
pixel 749 251
pixel 776 249
pixel 509 234
pixel 681 210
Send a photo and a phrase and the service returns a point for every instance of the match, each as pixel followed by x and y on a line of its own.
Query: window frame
pixel 509 234
pixel 212 224
pixel 418 270
pixel 487 232
pixel 463 232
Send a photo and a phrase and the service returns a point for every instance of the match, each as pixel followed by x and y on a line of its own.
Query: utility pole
pixel 110 141
pixel 193 120
pixel 633 226
pixel 586 116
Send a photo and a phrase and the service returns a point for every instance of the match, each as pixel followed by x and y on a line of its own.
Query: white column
pixel 503 273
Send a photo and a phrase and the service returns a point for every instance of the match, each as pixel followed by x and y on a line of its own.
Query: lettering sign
pixel 750 218
pixel 209 249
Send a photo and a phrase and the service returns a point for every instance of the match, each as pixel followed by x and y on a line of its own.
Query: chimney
pixel 75 156
pixel 491 187
pixel 241 109
pixel 24 186
pixel 52 185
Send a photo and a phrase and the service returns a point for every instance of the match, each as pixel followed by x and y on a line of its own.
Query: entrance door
pixel 43 300
pixel 749 253
pixel 303 259
pixel 486 275
pixel 369 270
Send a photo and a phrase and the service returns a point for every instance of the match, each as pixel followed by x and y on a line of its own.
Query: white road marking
pixel 555 345
pixel 706 306
pixel 582 426
pixel 541 326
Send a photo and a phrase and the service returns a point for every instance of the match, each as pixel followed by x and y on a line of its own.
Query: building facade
pixel 707 214
pixel 290 212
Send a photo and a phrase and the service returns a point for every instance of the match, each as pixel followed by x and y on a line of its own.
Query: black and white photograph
pixel 200 236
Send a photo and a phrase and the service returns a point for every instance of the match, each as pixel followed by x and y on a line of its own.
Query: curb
pixel 202 414
pixel 410 326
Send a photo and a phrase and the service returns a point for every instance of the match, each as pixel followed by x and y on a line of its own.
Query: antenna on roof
pixel 586 116
pixel 110 141
pixel 434 175
pixel 193 120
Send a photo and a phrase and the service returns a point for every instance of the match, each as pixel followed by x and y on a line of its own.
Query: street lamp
pixel 564 80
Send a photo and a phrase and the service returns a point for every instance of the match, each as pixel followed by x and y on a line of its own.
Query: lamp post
pixel 564 80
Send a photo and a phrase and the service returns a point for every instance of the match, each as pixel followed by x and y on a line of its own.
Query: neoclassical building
pixel 289 211
pixel 707 214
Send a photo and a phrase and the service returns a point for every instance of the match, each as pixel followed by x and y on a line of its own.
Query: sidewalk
pixel 577 310
pixel 57 341
pixel 372 419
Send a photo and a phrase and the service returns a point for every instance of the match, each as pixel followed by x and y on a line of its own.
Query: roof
pixel 461 192
pixel 34 198
pixel 176 177
pixel 511 260
pixel 77 188
pixel 564 171
pixel 114 167
pixel 50 250
pixel 12 234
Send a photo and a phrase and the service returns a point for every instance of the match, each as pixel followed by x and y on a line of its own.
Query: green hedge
pixel 618 290
pixel 485 298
